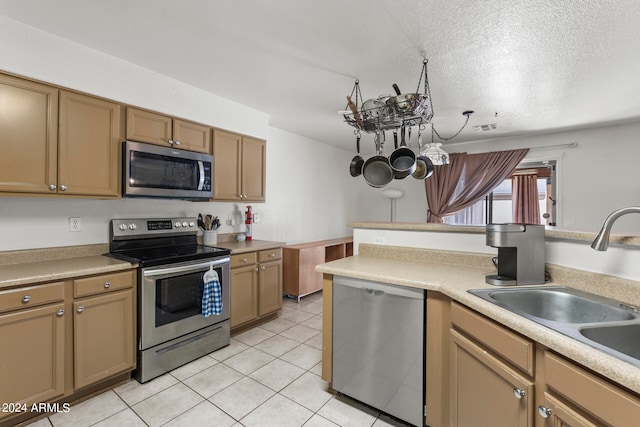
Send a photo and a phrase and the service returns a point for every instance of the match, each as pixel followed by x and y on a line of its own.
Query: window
pixel 497 206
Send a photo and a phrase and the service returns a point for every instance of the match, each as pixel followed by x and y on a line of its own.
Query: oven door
pixel 171 300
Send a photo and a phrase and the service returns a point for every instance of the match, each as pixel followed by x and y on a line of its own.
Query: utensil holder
pixel 209 237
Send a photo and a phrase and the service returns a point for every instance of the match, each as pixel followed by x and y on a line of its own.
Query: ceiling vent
pixel 486 128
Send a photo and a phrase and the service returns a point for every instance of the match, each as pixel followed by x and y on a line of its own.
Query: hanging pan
pixel 403 159
pixel 357 162
pixel 424 168
pixel 377 171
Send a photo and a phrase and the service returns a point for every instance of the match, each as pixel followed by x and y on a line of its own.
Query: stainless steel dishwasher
pixel 379 346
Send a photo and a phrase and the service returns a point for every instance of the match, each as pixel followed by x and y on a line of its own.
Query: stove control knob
pixel 178 224
pixel 192 224
pixel 185 224
pixel 123 227
pixel 132 226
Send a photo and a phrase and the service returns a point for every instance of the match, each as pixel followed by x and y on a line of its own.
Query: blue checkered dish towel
pixel 212 294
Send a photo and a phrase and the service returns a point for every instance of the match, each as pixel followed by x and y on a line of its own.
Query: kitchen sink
pixel 559 305
pixel 597 321
pixel 622 338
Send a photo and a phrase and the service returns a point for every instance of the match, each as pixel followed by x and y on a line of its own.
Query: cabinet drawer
pixel 241 260
pixel 31 296
pixel 595 395
pixel 103 283
pixel 508 345
pixel 270 255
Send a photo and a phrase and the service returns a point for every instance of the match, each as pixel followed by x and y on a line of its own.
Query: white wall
pixel 598 176
pixel 309 189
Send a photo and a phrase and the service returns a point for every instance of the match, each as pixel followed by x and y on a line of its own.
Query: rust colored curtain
pixel 526 206
pixel 481 173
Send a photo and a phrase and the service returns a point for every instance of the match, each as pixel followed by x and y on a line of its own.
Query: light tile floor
pixel 267 376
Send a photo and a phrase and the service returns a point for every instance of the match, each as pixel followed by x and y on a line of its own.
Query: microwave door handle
pixel 201 167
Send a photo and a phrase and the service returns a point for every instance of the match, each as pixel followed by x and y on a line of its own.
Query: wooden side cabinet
pixel 239 167
pixel 270 281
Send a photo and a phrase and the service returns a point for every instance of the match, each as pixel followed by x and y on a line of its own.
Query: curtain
pixel 526 206
pixel 467 179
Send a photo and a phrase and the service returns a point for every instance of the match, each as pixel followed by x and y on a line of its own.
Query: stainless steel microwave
pixel 155 171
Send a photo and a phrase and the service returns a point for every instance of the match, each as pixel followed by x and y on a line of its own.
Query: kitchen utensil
pixel 402 103
pixel 377 171
pixel 403 159
pixel 357 162
pixel 424 168
pixel 354 110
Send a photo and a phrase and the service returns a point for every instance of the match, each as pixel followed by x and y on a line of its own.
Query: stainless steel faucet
pixel 601 242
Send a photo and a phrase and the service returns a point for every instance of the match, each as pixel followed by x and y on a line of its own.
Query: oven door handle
pixel 183 268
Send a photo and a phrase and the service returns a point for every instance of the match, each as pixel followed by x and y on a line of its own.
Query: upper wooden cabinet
pixel 28 136
pixel 145 126
pixel 57 142
pixel 88 145
pixel 239 167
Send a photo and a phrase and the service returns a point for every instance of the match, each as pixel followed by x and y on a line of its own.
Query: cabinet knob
pixel 272 255
pixel 263 268
pixel 244 260
pixel 26 298
pixel 52 187
pixel 80 309
pixel 544 411
pixel 170 142
pixel 63 188
pixel 255 269
pixel 176 142
pixel 60 312
pixel 518 393
pixel 107 285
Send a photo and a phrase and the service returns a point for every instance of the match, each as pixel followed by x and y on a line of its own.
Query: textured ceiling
pixel 527 65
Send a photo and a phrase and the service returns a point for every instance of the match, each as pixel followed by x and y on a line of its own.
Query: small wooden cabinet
pixel 239 167
pixel 154 128
pixel 256 286
pixel 299 263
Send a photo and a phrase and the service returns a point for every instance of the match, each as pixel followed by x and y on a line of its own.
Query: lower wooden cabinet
pixel 32 355
pixel 103 336
pixel 256 286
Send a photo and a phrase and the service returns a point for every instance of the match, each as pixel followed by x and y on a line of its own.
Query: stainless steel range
pixel 172 329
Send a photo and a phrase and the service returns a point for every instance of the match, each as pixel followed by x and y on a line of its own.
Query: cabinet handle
pixel 272 255
pixel 60 312
pixel 63 188
pixel 52 187
pixel 263 268
pixel 80 309
pixel 544 411
pixel 171 142
pixel 255 269
pixel 26 298
pixel 244 260
pixel 518 393
pixel 176 142
pixel 107 285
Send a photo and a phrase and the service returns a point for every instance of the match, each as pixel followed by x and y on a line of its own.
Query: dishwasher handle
pixel 374 292
pixel 379 289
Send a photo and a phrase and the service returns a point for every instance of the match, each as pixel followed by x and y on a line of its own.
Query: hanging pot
pixel 377 171
pixel 403 159
pixel 402 103
pixel 357 162
pixel 424 168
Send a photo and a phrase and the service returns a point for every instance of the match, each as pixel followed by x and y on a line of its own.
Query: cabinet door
pixel 244 294
pixel 191 136
pixel 103 337
pixel 270 282
pixel 561 415
pixel 485 391
pixel 254 156
pixel 90 134
pixel 32 355
pixel 145 126
pixel 227 156
pixel 28 136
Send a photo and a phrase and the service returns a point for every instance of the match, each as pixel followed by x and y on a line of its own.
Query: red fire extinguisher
pixel 249 222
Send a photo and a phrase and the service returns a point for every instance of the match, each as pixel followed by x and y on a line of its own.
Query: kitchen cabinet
pixel 239 167
pixel 154 128
pixel 256 286
pixel 90 133
pixel 491 368
pixel 32 333
pixel 65 339
pixel 103 327
pixel 28 136
pixel 299 264
pixel 57 141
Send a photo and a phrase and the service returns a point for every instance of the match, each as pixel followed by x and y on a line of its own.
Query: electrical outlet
pixel 257 217
pixel 378 240
pixel 75 224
